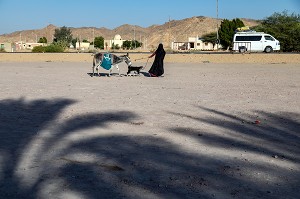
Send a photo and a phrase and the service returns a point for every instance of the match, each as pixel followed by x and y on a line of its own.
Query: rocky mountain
pixel 174 30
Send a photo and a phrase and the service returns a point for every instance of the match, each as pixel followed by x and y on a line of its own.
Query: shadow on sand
pixel 142 73
pixel 43 156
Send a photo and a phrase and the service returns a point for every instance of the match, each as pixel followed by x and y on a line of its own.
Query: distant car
pixel 183 47
pixel 255 42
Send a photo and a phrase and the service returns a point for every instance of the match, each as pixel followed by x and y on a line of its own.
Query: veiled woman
pixel 157 68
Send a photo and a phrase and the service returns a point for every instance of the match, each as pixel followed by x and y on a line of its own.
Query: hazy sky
pixel 36 14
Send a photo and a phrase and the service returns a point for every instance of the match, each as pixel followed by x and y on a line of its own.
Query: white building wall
pixel 111 42
pixel 194 43
pixel 82 45
pixel 8 47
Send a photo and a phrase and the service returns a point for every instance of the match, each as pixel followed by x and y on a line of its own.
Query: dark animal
pixel 134 68
pixel 130 67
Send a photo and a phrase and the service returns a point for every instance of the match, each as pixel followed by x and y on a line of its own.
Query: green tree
pixel 131 44
pixel 126 45
pixel 115 46
pixel 63 36
pixel 136 44
pixel 284 27
pixel 211 38
pixel 227 30
pixel 43 40
pixel 74 42
pixel 99 42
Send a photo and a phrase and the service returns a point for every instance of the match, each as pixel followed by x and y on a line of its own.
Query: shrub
pixel 38 49
pixel 52 48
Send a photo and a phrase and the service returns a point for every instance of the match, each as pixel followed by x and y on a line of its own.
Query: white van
pixel 255 42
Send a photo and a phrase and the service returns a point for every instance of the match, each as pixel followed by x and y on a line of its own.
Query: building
pixel 7 47
pixel 114 43
pixel 194 43
pixel 82 46
pixel 20 45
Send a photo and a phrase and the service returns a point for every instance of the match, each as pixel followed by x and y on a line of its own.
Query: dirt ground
pixel 260 58
pixel 204 130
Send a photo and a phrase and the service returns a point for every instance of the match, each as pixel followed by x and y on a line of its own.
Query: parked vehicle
pixel 255 42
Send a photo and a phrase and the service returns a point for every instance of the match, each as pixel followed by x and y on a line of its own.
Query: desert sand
pixel 212 127
pixel 261 58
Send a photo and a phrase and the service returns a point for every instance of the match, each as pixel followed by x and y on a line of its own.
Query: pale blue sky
pixel 36 14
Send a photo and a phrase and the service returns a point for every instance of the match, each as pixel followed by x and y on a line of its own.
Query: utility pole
pixel 140 41
pixel 48 34
pixel 93 38
pixel 134 37
pixel 93 35
pixel 169 41
pixel 218 41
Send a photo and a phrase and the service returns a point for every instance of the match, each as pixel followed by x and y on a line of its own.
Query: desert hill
pixel 174 30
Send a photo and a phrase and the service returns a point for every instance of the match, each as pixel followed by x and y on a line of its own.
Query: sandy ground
pixel 170 58
pixel 204 130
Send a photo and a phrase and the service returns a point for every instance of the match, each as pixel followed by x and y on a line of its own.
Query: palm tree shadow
pixel 280 130
pixel 274 138
pixel 134 167
pixel 24 144
pixel 42 156
pixel 20 122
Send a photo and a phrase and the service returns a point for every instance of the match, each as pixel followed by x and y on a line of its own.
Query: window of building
pixel 192 45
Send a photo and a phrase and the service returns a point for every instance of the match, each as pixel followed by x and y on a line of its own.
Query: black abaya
pixel 157 68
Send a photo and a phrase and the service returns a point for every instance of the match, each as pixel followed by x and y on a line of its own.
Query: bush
pixel 52 48
pixel 38 49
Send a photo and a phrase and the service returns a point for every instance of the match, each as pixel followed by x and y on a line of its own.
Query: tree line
pixel 63 38
pixel 283 26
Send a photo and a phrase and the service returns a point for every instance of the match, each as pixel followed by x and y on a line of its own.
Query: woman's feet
pixel 152 75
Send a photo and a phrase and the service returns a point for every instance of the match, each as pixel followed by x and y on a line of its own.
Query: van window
pixel 248 38
pixel 269 38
